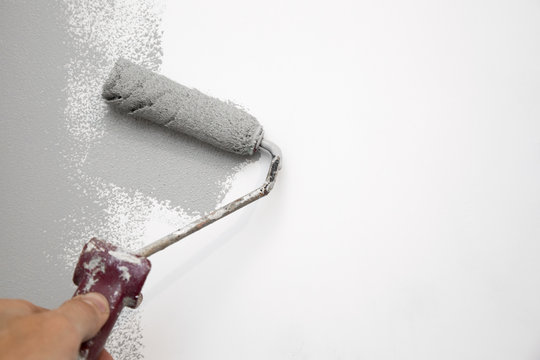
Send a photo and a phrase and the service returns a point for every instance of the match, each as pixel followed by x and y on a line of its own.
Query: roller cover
pixel 139 92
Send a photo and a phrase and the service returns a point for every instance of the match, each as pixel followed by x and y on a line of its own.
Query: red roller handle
pixel 116 274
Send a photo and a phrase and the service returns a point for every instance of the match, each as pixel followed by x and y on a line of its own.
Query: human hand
pixel 30 332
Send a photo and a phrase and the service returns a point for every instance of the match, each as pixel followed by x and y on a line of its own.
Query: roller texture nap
pixel 144 94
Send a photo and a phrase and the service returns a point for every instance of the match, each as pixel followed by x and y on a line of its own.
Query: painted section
pixel 73 169
pixel 36 192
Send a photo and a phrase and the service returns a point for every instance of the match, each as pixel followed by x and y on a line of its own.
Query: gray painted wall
pixel 35 188
pixel 72 169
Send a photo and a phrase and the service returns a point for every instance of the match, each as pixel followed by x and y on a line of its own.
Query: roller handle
pixel 117 275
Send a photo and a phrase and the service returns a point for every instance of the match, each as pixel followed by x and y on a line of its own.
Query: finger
pixel 105 356
pixel 10 308
pixel 87 313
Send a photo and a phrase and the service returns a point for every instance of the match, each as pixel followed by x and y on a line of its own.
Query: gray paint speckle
pixel 137 154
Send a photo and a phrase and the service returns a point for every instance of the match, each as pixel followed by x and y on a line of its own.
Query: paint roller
pixel 133 90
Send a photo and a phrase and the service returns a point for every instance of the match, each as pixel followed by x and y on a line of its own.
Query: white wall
pixel 404 224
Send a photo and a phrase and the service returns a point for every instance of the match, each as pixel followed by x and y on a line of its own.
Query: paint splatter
pixel 100 32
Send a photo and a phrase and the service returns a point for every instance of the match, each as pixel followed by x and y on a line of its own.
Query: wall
pixel 404 223
pixel 72 168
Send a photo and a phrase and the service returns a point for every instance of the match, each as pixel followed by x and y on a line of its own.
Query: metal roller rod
pixel 266 187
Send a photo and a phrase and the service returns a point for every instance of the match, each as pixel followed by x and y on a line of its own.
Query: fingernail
pixel 96 300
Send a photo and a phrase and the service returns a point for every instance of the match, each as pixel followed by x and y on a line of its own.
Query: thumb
pixel 87 313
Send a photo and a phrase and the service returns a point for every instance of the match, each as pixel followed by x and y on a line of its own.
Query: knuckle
pixel 63 325
pixel 79 307
pixel 60 321
pixel 86 307
pixel 25 305
pixel 17 307
pixel 78 317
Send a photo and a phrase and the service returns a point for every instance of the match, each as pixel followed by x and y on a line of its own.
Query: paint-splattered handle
pixel 91 349
pixel 116 274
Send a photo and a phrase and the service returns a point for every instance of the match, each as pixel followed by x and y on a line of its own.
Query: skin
pixel 30 332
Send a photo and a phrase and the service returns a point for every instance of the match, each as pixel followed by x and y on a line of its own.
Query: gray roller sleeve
pixel 141 93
